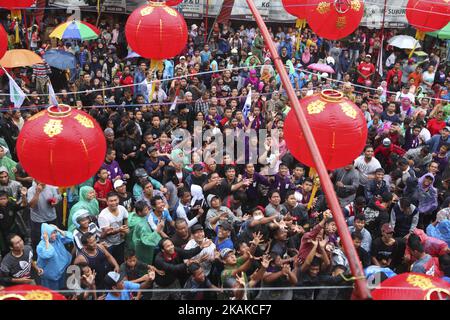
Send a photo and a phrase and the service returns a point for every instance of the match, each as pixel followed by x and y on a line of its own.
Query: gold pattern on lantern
pixel 316 107
pixel 171 11
pixel 146 11
pixel 84 121
pixel 323 7
pixel 38 295
pixel 348 110
pixel 420 281
pixel 355 5
pixel 341 22
pixel 53 127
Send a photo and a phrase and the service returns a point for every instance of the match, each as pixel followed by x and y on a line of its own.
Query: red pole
pixel 362 291
pixel 206 21
pixel 27 41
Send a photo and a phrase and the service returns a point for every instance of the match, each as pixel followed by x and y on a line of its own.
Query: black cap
pixel 197 167
pixel 196 227
pixel 225 225
pixel 151 149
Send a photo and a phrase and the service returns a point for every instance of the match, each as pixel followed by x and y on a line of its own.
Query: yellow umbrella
pixel 19 58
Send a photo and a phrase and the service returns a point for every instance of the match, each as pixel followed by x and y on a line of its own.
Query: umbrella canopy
pixel 321 67
pixel 404 42
pixel 74 30
pixel 444 33
pixel 132 55
pixel 412 286
pixel 19 58
pixel 60 59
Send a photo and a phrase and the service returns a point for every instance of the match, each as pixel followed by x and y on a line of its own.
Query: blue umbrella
pixel 60 59
pixel 132 55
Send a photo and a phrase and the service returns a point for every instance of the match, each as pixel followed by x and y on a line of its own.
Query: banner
pixel 395 14
pixel 271 10
pixel 114 6
pixel 194 9
pixel 241 10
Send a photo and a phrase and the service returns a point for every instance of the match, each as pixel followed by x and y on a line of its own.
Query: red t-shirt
pixel 102 189
pixel 365 69
pixel 435 126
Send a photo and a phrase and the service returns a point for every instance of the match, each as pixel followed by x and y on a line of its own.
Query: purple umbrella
pixel 321 67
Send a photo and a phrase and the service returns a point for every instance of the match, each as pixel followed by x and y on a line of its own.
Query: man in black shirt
pixel 125 198
pixel 196 281
pixel 182 234
pixel 171 261
pixel 197 176
pixel 363 255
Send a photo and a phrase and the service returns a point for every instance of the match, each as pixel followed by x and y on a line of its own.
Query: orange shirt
pixel 417 78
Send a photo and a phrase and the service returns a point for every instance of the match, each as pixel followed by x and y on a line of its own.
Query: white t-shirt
pixel 365 168
pixel 425 134
pixel 206 265
pixel 106 219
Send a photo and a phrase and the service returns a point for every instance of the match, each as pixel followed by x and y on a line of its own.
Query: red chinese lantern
pixel 426 15
pixel 338 126
pixel 334 19
pixel 296 7
pixel 29 292
pixel 156 31
pixel 16 4
pixel 173 3
pixel 3 41
pixel 61 147
pixel 412 286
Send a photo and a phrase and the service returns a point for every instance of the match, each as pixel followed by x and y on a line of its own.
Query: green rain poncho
pixel 145 241
pixel 133 220
pixel 8 163
pixel 89 205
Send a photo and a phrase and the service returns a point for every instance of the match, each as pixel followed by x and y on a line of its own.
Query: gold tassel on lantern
pixel 300 23
pixel 420 36
pixel 316 184
pixel 63 192
pixel 16 13
pixel 155 66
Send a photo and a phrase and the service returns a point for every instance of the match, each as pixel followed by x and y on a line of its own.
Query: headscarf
pixel 84 203
pixel 306 56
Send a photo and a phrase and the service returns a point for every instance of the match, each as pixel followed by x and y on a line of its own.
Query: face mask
pixel 258 217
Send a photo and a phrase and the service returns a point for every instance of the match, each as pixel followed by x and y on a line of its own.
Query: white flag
pixel 16 95
pixel 173 105
pixel 51 93
pixel 248 104
pixel 380 59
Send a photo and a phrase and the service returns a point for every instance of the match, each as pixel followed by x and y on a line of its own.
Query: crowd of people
pixel 155 220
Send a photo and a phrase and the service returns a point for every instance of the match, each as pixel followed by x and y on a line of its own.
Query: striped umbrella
pixel 75 30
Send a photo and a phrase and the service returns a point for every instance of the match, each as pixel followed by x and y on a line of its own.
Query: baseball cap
pixel 119 183
pixel 447 128
pixel 368 56
pixel 197 167
pixel 112 278
pixel 386 142
pixel 226 88
pixel 387 228
pixel 224 252
pixel 182 58
pixel 3 169
pixel 196 227
pixel 225 225
pixel 151 149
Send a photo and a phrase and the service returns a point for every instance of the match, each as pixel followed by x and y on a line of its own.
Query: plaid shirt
pixel 202 106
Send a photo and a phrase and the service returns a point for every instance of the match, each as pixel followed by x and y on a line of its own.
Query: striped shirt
pixel 41 70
